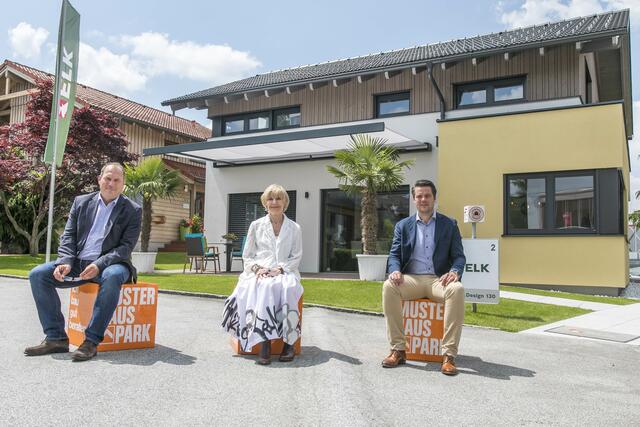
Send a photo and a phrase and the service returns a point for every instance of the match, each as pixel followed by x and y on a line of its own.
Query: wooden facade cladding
pixel 552 75
pixel 141 137
pixel 19 105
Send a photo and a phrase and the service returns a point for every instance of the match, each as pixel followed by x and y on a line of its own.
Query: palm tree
pixel 150 180
pixel 367 167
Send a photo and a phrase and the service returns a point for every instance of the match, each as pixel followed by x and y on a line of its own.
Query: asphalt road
pixel 192 378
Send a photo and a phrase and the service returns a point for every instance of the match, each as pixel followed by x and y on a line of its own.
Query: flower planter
pixel 182 231
pixel 372 267
pixel 144 262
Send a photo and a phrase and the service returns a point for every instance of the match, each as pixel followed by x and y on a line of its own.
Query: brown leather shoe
pixel 449 366
pixel 86 351
pixel 264 357
pixel 395 358
pixel 288 353
pixel 48 347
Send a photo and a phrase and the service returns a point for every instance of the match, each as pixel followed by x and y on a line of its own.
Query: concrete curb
pixel 326 307
pixel 11 276
pixel 216 296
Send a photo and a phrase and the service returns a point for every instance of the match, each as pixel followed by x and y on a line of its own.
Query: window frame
pixel 550 207
pixel 393 96
pixel 287 110
pixel 490 87
pixel 245 117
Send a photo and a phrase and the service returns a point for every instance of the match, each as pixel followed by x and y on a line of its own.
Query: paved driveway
pixel 191 378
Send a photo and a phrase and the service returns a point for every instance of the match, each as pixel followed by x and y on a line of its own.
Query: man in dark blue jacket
pixel 102 230
pixel 426 261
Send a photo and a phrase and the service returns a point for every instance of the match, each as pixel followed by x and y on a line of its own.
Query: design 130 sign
pixel 481 277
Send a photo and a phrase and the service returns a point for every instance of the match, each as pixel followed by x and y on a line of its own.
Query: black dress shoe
pixel 48 347
pixel 86 351
pixel 288 353
pixel 264 357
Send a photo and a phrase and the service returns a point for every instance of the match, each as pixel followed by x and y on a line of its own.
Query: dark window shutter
pixel 610 203
pixel 244 208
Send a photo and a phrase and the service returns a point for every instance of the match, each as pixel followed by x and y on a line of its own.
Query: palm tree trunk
pixel 146 224
pixel 369 223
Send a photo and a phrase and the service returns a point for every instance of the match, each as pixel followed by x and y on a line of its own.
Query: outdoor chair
pixel 196 244
pixel 238 254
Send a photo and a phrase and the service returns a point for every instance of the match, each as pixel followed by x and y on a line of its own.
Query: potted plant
pixel 183 228
pixel 229 237
pixel 196 224
pixel 150 180
pixel 367 167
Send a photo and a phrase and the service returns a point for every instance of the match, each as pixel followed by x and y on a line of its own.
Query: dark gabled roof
pixel 616 22
pixel 121 106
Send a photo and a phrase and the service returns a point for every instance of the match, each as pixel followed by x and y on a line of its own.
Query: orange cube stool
pixel 276 345
pixel 133 324
pixel 423 322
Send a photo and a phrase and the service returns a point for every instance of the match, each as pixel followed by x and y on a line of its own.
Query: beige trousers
pixel 424 286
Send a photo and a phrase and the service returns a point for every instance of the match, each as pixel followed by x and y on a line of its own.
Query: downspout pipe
pixel 435 86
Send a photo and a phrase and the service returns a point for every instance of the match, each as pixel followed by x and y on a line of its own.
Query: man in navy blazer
pixel 426 260
pixel 102 230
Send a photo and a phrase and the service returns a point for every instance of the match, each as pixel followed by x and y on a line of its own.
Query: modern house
pixel 533 123
pixel 143 126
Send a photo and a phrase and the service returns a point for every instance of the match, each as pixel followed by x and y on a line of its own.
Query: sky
pixel 150 51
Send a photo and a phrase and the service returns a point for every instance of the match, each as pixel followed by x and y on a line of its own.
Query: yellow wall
pixel 474 155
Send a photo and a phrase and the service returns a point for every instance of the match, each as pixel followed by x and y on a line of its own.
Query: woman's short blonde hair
pixel 275 190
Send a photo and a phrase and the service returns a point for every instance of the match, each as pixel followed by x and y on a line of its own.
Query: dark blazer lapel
pixel 438 233
pixel 411 230
pixel 86 221
pixel 114 216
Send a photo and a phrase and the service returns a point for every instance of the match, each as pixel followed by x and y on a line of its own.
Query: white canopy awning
pixel 292 144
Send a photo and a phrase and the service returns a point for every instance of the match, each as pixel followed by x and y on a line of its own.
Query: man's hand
pixel 449 277
pixel 396 278
pixel 60 271
pixel 90 272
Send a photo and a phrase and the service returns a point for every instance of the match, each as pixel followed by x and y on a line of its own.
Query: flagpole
pixel 52 184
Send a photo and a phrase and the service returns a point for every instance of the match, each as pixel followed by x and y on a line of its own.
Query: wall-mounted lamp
pixel 306 194
pixel 186 188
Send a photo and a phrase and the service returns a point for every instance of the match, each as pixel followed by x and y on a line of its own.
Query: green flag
pixel 64 91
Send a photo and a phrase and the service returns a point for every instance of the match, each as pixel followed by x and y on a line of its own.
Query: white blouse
pixel 262 247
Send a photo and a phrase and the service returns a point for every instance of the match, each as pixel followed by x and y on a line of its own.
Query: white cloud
pixel 211 63
pixel 540 11
pixel 108 71
pixel 27 41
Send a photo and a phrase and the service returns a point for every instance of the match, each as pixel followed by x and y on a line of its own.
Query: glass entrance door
pixel 341 238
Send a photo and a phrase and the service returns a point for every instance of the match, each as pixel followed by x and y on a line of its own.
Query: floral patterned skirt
pixel 263 309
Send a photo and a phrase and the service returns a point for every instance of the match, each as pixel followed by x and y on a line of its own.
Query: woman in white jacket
pixel 264 304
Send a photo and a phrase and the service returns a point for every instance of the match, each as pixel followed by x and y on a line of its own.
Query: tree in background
pixel 150 180
pixel 367 167
pixel 94 140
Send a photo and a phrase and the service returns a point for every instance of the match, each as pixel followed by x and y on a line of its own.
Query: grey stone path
pixel 191 377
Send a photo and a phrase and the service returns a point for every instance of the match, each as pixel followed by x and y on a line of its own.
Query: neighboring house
pixel 143 126
pixel 532 123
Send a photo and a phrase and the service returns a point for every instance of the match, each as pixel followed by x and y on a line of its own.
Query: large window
pixel 493 92
pixel 283 118
pixel 394 104
pixel 341 238
pixel 576 202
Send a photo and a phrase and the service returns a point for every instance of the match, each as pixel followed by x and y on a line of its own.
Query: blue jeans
pixel 43 287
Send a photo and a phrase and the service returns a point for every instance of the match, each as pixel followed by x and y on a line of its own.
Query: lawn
pixel 509 315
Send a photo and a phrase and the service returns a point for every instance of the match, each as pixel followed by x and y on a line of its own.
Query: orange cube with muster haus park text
pixel 133 324
pixel 423 321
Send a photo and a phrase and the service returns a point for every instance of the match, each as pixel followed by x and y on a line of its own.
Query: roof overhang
pixel 310 143
pixel 587 42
